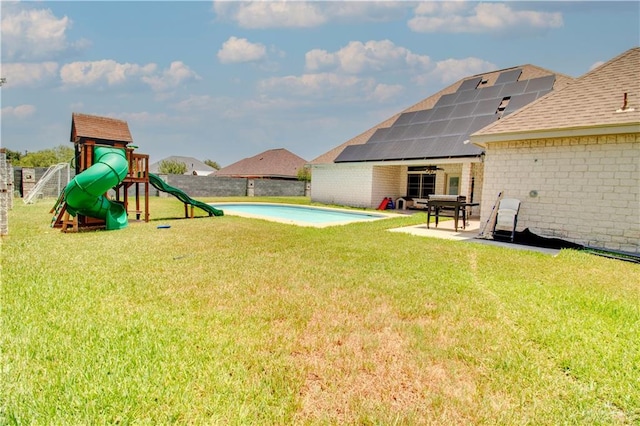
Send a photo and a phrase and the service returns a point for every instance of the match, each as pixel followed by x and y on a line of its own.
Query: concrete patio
pixel 445 230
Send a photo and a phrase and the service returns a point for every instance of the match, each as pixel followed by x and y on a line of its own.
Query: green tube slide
pixel 85 193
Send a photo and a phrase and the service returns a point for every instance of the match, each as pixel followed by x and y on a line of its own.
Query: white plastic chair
pixel 507 217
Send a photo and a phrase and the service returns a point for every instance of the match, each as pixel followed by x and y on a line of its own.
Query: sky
pixel 224 81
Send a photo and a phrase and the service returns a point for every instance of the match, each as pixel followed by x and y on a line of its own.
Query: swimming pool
pixel 296 214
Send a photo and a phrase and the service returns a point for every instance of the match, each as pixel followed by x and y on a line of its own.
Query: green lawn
pixel 234 321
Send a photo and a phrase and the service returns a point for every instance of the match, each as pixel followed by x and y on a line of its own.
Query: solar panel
pixel 489 106
pixel 396 133
pixel 410 149
pixel 405 118
pixel 435 128
pixel 464 110
pixel 442 112
pixel 382 151
pixel 425 148
pixel 518 101
pixel 469 84
pixel 349 153
pixel 441 131
pixel 379 135
pixel 414 130
pixel 488 92
pixel 466 96
pixel 481 121
pixel 422 116
pixel 541 83
pixel 458 126
pixel 515 88
pixel 509 76
pixel 445 100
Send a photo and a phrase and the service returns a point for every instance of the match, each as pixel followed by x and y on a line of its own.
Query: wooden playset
pixel 87 133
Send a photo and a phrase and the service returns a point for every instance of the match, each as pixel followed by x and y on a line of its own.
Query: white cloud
pixel 596 65
pixel 28 74
pixel 271 14
pixel 497 18
pixel 20 111
pixel 236 50
pixel 385 92
pixel 111 73
pixel 35 34
pixel 358 57
pixel 333 86
pixel 177 74
pixel 311 84
pixel 193 103
pixel 99 72
pixel 306 14
pixel 451 70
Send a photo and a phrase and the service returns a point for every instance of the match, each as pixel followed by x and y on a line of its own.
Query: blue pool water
pixel 300 215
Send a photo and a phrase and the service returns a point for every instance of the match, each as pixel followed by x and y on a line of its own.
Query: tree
pixel 46 157
pixel 172 167
pixel 212 164
pixel 14 156
pixel 304 174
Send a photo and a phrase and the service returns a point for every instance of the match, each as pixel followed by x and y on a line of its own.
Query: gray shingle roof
pixel 592 103
pixel 274 163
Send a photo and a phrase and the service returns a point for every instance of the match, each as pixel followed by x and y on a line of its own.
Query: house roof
pixel 272 163
pixel 96 127
pixel 592 104
pixel 193 165
pixel 405 135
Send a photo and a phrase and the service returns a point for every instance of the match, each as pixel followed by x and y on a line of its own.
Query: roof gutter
pixel 482 140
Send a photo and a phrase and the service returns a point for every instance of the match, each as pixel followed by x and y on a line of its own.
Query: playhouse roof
pixel 97 127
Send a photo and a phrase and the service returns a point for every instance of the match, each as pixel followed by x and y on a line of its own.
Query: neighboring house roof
pixel 592 104
pixel 96 127
pixel 406 135
pixel 193 165
pixel 274 163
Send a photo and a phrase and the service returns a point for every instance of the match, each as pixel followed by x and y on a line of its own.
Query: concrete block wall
pixel 347 185
pixel 211 186
pixel 583 189
pixel 275 188
pixel 206 186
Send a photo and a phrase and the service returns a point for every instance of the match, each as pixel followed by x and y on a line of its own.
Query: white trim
pixel 483 139
pixel 420 162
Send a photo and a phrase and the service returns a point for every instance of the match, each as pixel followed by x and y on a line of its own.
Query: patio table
pixel 449 208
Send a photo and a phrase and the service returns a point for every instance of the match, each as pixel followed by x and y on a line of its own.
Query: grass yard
pixel 235 321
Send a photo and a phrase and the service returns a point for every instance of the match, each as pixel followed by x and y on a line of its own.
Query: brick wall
pixel 584 190
pixel 387 182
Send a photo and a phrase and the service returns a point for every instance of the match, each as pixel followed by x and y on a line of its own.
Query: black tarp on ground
pixel 528 238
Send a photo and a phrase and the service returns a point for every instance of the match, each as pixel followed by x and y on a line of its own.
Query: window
pixel 453 185
pixel 420 185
